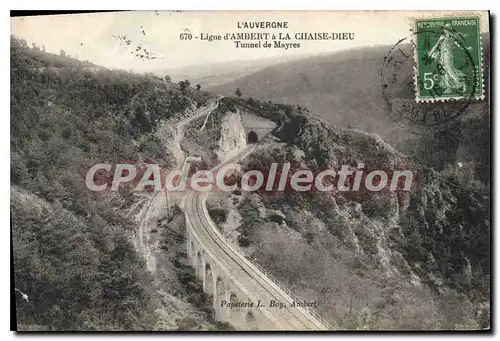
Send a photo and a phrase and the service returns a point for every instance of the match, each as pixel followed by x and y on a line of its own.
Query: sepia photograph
pixel 178 171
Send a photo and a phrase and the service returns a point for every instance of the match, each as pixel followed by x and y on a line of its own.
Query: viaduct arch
pixel 209 280
pixel 226 296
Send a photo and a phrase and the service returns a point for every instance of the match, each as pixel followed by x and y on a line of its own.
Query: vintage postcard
pixel 251 170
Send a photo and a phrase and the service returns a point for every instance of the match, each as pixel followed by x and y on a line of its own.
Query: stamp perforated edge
pixel 413 29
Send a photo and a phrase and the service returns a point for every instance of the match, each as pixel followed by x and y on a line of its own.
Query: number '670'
pixel 186 36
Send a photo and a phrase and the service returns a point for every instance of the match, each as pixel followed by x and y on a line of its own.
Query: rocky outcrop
pixel 232 134
pixel 438 232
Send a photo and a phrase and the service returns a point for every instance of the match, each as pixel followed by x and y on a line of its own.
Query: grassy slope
pixel 343 89
pixel 218 73
pixel 72 254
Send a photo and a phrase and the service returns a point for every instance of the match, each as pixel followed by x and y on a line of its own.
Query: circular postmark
pixel 401 82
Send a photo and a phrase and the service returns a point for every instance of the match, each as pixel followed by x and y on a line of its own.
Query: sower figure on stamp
pixel 442 51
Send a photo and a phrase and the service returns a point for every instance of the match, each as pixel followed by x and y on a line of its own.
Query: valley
pixel 414 258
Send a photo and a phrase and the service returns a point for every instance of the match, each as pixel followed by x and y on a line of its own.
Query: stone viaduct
pixel 233 279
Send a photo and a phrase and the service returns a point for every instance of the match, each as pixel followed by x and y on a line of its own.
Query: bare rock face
pixel 232 136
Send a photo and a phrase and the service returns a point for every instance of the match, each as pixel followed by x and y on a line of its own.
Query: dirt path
pixel 155 205
pixel 206 118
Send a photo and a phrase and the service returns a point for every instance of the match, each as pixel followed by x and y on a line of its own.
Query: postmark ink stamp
pixel 433 77
pixel 448 57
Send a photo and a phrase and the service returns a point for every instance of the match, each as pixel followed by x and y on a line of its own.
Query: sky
pixel 92 37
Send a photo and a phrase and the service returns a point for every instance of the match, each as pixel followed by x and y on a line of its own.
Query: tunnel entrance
pixel 252 137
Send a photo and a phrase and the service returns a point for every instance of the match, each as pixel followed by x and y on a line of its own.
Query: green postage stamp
pixel 449 59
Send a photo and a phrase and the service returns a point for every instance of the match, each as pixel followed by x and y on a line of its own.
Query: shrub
pixel 218 215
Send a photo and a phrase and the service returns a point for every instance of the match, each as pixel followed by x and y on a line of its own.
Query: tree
pixel 168 79
pixel 238 92
pixel 188 83
pixel 62 53
pixel 198 87
pixel 23 42
pixel 182 86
